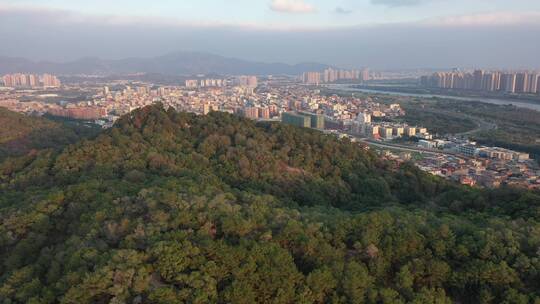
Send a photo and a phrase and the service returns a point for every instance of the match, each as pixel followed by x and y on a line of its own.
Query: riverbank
pixel 412 89
pixel 502 102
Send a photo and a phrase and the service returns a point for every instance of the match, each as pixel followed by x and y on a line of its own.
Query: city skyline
pixel 480 80
pixel 382 34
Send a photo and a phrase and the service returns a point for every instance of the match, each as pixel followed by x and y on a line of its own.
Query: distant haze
pixel 174 64
pixel 490 41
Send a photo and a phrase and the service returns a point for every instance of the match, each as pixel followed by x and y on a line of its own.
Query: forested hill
pixel 16 125
pixel 170 207
pixel 20 134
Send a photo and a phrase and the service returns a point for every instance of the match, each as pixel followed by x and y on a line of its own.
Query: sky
pixel 383 34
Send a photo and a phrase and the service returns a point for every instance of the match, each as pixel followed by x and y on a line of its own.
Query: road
pixel 380 144
pixel 520 104
pixel 482 125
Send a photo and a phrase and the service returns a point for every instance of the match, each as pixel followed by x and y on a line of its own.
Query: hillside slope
pixel 170 207
pixel 16 125
pixel 21 134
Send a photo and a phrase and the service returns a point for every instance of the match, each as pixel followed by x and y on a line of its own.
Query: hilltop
pixel 170 207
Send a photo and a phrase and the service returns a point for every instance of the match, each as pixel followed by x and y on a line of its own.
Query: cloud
pixel 459 41
pixel 394 3
pixel 292 6
pixel 342 11
pixel 489 19
pixel 67 17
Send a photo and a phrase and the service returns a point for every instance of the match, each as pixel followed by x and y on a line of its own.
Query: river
pixel 519 104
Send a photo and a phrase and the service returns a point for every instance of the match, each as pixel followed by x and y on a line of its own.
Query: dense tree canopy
pixel 170 207
pixel 21 134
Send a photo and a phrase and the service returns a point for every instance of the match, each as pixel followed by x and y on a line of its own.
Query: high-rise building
pixel 372 131
pixel 312 78
pixel 248 81
pixel 495 81
pixel 508 83
pixel 251 112
pixel 50 81
pixel 410 131
pixel 8 81
pixel 295 119
pixel 386 132
pixel 365 75
pixel 33 80
pixel 491 81
pixel 331 75
pixel 486 82
pixel 203 83
pixel 23 80
pixel 294 105
pixel 192 83
pixel 478 79
pixel 273 110
pixel 522 82
pixel 363 118
pixel 532 83
pixel 316 120
pixel 206 108
pixel 398 131
pixel 253 82
pixel 264 113
pixel 86 113
pixel 326 76
pixel 142 90
pixel 30 80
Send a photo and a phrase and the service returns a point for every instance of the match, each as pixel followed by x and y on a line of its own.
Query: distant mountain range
pixel 178 63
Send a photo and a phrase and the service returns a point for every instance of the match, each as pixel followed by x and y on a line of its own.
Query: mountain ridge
pixel 176 63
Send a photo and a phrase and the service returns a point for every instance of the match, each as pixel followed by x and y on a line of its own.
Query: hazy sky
pixel 349 33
